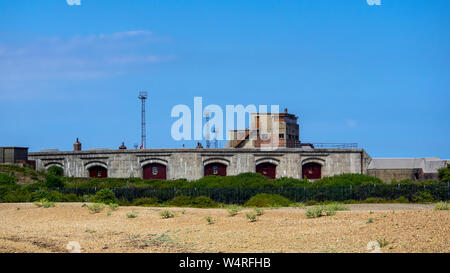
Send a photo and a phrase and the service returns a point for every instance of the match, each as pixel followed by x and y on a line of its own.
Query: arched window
pixel 155 171
pixel 216 169
pixel 312 171
pixel 267 169
pixel 98 172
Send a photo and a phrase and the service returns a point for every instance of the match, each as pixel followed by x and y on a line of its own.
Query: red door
pixel 155 171
pixel 216 169
pixel 98 172
pixel 267 169
pixel 312 171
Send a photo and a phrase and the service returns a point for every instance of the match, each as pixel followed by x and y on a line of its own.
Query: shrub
pixel 44 203
pixel 370 221
pixel 17 196
pixel 95 208
pixel 336 206
pixel 203 202
pixel 105 196
pixel 233 209
pixel 209 219
pixel 382 242
pixel 329 211
pixel 444 174
pixel 251 216
pixel 131 215
pixel 442 206
pixel 6 179
pixel 374 200
pixel 314 212
pixel 113 206
pixel 259 211
pixel 55 170
pixel 268 200
pixel 297 205
pixel 402 199
pixel 53 181
pixel 180 201
pixel 422 197
pixel 146 202
pixel 166 214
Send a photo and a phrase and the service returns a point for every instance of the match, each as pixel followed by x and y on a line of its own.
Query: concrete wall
pixel 189 163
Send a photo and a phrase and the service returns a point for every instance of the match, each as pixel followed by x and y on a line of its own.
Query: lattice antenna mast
pixel 215 138
pixel 208 137
pixel 143 98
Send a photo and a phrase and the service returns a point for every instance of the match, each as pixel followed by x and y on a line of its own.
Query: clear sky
pixel 375 75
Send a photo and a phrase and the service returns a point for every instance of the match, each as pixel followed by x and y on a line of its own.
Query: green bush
pixel 180 201
pixel 197 202
pixel 146 202
pixel 314 212
pixel 268 200
pixel 233 209
pixel 95 208
pixel 56 171
pixel 422 197
pixel 166 214
pixel 444 174
pixel 105 196
pixel 53 181
pixel 336 206
pixel 7 179
pixel 251 216
pixel 203 202
pixel 17 196
pixel 402 199
pixel 442 206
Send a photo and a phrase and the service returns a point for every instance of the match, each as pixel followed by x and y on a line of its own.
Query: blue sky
pixel 375 75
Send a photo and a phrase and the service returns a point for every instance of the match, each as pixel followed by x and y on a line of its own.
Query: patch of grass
pixel 146 202
pixel 268 200
pixel 95 208
pixel 251 216
pixel 166 214
pixel 44 203
pixel 314 212
pixel 382 242
pixel 113 206
pixel 402 199
pixel 336 206
pixel 370 221
pixel 131 215
pixel 259 211
pixel 329 211
pixel 233 210
pixel 210 220
pixel 442 206
pixel 297 205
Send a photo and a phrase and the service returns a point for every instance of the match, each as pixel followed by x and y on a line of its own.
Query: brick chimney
pixel 77 146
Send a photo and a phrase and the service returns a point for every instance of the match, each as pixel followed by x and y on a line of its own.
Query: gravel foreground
pixel 402 227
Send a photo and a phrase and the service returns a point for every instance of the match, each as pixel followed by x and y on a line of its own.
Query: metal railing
pixel 335 145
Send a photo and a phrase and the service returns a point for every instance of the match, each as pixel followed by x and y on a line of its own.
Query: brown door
pixel 216 169
pixel 312 171
pixel 155 171
pixel 98 172
pixel 267 169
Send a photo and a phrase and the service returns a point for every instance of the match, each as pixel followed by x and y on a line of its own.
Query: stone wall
pixel 189 163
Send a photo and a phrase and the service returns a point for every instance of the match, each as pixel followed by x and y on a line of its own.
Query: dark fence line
pixel 241 195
